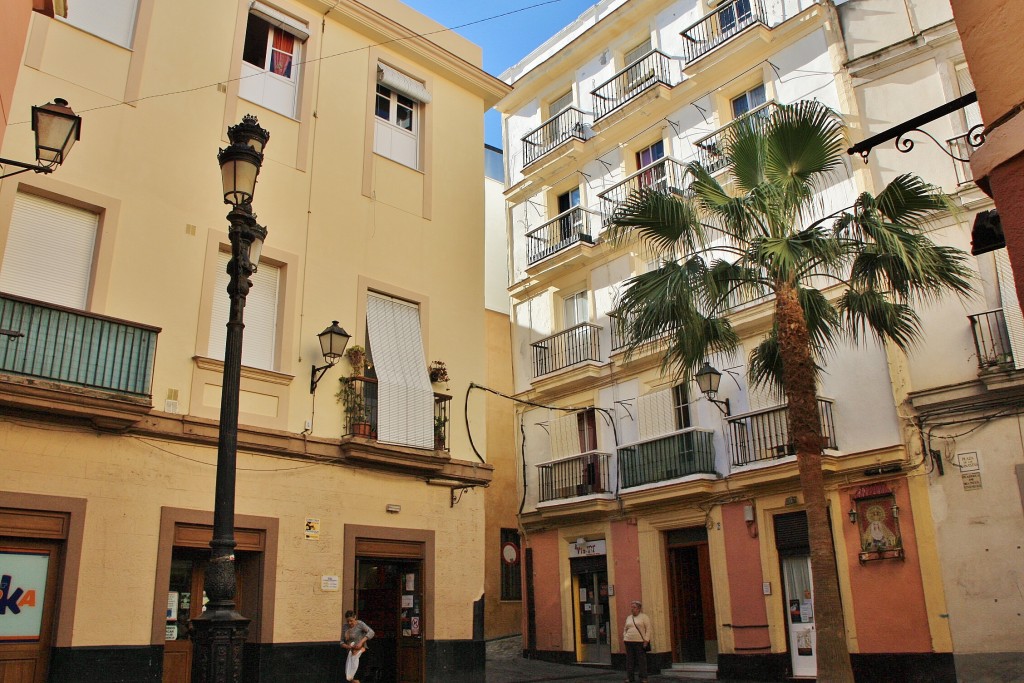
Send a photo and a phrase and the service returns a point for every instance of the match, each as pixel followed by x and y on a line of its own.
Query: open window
pixel 271 56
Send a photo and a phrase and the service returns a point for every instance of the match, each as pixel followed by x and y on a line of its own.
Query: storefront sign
pixel 587 548
pixel 22 593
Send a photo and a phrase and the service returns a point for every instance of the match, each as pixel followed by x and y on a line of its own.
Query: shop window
pixel 270 59
pixel 511 578
pixel 398 113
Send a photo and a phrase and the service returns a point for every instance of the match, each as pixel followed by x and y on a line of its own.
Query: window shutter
pixel 565 438
pixel 280 20
pixel 405 407
pixel 1011 307
pixel 656 414
pixel 400 83
pixel 260 316
pixel 37 224
pixel 791 536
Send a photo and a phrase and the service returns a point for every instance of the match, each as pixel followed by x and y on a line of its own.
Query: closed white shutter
pixel 260 315
pixel 399 82
pixel 405 400
pixel 565 436
pixel 656 414
pixel 49 251
pixel 1011 307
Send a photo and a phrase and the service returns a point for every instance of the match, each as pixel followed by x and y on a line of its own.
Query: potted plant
pixel 356 357
pixel 439 429
pixel 354 405
pixel 438 373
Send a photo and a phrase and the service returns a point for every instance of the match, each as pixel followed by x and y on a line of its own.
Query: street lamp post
pixel 219 633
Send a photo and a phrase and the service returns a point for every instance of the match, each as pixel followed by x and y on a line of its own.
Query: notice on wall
pixel 329 583
pixel 971 480
pixel 171 632
pixel 410 582
pixel 312 532
pixel 406 601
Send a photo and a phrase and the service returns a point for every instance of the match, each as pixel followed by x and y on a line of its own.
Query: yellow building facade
pixel 112 304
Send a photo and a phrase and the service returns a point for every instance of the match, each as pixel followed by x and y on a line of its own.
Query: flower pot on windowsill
pixel 362 429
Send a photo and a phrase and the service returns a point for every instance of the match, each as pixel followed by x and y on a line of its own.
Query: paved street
pixel 521 670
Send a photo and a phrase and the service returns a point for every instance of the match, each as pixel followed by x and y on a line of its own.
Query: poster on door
pixel 22 592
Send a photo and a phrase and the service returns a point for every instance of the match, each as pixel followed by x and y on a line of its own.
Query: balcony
pixel 720 25
pixel 363 421
pixel 690 451
pixel 763 435
pixel 664 175
pixel 991 339
pixel 568 124
pixel 76 348
pixel 651 69
pixel 564 230
pixel 567 348
pixel 575 476
pixel 620 333
pixel 711 148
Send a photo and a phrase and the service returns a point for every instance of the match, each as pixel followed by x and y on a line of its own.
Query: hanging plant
pixel 438 372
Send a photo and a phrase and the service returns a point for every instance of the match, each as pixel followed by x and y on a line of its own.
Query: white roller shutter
pixel 400 83
pixel 260 315
pixel 656 414
pixel 405 400
pixel 58 235
pixel 565 437
pixel 972 112
pixel 1011 307
pixel 280 20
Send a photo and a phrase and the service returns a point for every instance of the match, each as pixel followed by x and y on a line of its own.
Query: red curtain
pixel 281 56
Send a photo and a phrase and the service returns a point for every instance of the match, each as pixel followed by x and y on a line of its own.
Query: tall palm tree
pixel 848 276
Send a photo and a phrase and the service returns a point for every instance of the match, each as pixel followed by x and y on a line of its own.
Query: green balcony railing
pixel 74 347
pixel 690 451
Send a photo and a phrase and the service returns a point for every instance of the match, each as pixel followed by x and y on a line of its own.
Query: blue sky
pixel 505 39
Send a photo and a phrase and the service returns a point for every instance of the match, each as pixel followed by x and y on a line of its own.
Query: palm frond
pixel 871 312
pixel 660 220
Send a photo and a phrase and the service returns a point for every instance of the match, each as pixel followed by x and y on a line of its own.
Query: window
pixel 397 107
pixel 560 104
pixel 405 399
pixel 749 100
pixel 270 59
pixel 972 112
pixel 511 580
pixel 638 52
pixel 259 347
pixel 575 309
pixel 112 20
pixel 734 16
pixel 569 224
pixel 681 406
pixel 36 225
pixel 654 178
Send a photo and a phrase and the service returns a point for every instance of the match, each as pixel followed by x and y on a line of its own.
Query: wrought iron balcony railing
pixel 568 124
pixel 569 347
pixel 690 451
pixel 579 475
pixel 711 148
pixel 764 434
pixel 721 24
pixel 991 339
pixel 664 175
pixel 564 230
pixel 620 333
pixel 74 347
pixel 359 400
pixel 649 70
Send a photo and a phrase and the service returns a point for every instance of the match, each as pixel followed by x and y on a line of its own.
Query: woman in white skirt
pixel 353 639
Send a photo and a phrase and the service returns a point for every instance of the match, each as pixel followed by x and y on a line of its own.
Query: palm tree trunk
pixel 833 657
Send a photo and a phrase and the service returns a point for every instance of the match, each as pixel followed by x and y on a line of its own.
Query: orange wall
pixel 985 26
pixel 14 18
pixel 888 595
pixel 626 556
pixel 546 591
pixel 743 558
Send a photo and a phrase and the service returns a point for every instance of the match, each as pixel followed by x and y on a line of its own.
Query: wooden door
pixel 28 598
pixel 693 605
